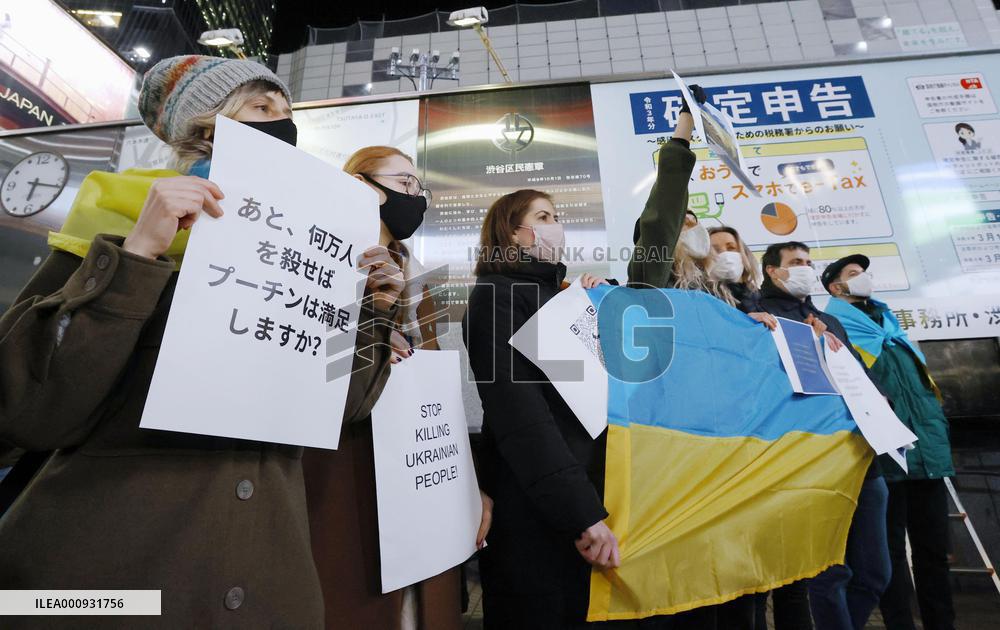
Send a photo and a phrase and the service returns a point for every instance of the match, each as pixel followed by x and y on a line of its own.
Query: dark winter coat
pixel 538 463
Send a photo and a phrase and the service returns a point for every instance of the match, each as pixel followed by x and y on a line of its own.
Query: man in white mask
pixel 843 596
pixel 789 279
pixel 918 498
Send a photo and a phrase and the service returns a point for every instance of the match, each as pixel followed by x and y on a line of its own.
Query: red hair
pixel 366 160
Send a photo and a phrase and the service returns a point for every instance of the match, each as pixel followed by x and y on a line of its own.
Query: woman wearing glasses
pixel 403 200
pixel 340 485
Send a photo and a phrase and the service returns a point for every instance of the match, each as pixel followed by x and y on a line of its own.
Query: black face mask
pixel 401 213
pixel 284 129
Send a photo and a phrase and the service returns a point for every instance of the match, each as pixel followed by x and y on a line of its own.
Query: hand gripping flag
pixel 720 480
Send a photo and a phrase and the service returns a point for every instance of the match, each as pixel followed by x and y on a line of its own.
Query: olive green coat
pixel 218 525
pixel 662 218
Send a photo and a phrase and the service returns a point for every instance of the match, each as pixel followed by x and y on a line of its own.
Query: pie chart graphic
pixel 778 218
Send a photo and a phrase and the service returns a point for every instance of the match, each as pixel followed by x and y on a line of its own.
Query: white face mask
pixel 697 241
pixel 800 280
pixel 860 285
pixel 550 241
pixel 728 267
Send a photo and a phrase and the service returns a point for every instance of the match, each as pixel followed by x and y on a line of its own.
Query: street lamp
pixel 476 17
pixel 139 56
pixel 226 38
pixel 422 68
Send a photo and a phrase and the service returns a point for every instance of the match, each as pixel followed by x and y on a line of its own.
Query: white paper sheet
pixel 880 426
pixel 429 506
pixel 227 367
pixel 571 364
pixel 715 127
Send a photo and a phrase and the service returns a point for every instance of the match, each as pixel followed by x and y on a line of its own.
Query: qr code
pixel 585 329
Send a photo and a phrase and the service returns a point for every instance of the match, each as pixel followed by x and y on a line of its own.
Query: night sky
pixel 293 16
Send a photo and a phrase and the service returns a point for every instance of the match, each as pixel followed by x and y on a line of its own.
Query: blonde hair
pixel 692 273
pixel 195 143
pixel 366 159
pixel 751 276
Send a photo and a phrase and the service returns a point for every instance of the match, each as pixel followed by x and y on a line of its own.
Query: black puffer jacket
pixel 747 299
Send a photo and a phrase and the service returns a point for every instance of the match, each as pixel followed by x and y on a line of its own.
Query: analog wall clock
pixel 33 184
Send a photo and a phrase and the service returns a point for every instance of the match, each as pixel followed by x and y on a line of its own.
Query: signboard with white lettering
pixel 784 103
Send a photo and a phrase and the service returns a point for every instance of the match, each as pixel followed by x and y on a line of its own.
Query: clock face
pixel 33 184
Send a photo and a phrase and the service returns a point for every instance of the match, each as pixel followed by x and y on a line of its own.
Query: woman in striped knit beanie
pixel 219 526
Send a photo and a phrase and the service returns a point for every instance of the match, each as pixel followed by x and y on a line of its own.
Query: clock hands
pixel 36 183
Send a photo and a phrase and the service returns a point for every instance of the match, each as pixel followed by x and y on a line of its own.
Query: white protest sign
pixel 429 506
pixel 245 351
pixel 878 424
pixel 561 339
pixel 716 128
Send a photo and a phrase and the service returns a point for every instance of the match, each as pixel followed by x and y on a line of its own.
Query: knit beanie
pixel 178 88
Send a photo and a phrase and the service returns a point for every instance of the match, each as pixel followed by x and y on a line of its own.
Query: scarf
pixel 867 336
pixel 109 203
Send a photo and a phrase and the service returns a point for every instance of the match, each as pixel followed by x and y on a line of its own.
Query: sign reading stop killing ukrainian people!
pixel 260 338
pixel 428 497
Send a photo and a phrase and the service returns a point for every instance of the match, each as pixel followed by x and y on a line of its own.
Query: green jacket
pixel 908 386
pixel 661 220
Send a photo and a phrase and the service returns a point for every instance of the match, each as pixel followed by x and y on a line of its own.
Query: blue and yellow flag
pixel 110 203
pixel 720 480
pixel 867 337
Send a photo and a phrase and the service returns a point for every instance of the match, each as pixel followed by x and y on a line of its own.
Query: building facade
pixel 540 43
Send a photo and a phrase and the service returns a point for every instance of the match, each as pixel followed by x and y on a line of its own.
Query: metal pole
pixel 493 53
pixel 988 566
pixel 424 82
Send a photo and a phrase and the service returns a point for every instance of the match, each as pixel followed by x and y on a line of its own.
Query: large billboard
pixel 478 146
pixel 896 160
pixel 53 71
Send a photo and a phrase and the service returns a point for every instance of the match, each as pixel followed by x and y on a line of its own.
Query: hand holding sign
pixel 385 279
pixel 832 341
pixel 716 129
pixel 173 204
pixel 588 281
pixel 699 97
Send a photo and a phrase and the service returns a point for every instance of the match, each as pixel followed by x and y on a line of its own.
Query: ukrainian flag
pixel 720 480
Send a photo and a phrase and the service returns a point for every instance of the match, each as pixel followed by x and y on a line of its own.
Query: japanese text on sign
pixel 756 104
